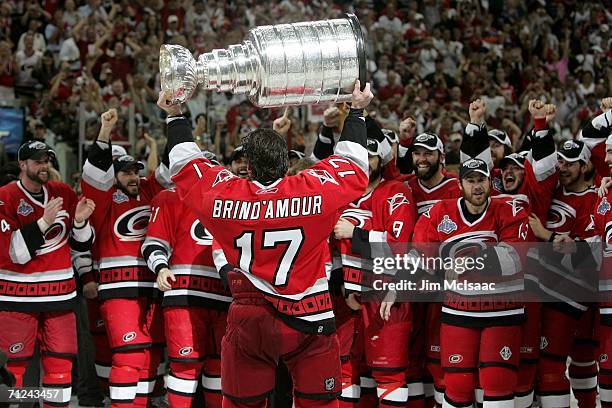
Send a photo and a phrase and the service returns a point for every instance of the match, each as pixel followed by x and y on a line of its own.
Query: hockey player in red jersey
pixel 387 326
pixel 275 229
pixel 477 337
pixel 126 286
pixel 530 178
pixel 40 220
pixel 178 248
pixel 570 217
pixel 603 224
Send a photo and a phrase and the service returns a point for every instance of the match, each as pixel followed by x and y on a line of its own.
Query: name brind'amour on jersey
pixel 267 209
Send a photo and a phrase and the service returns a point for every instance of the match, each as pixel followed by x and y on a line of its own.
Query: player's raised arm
pixel 353 140
pixel 475 144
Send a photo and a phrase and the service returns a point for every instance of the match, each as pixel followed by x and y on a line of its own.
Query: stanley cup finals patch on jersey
pixel 447 225
pixel 24 208
pixel 120 197
pixel 604 207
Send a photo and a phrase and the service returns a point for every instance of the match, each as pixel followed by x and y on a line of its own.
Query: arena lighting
pixel 280 65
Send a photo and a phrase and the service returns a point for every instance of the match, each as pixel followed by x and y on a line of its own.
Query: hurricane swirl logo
pixel 200 234
pixel 56 235
pixel 185 351
pixel 129 336
pixel 357 216
pixel 16 348
pixel 559 213
pixel 455 358
pixel 132 225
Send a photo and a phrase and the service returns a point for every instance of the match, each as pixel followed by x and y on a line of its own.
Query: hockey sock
pixel 553 386
pixel 351 391
pixel 416 393
pixel 211 381
pixel 183 382
pixel 57 378
pixel 523 393
pixel 368 398
pixel 124 376
pixel 391 387
pixel 498 384
pixel 583 379
pixel 605 387
pixel 300 402
pixel 435 369
pixel 147 377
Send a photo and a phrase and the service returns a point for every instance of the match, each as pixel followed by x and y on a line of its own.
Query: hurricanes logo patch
pixel 330 383
pixel 15 348
pixel 447 225
pixel 505 353
pixel 543 342
pixel 323 176
pixel 603 207
pixel 99 323
pixel 120 197
pixel 129 336
pixel 397 200
pixel 455 358
pixel 223 176
pixel 603 358
pixel 185 351
pixel 24 208
pixel 132 224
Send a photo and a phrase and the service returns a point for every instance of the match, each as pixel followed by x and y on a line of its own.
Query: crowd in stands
pixel 63 60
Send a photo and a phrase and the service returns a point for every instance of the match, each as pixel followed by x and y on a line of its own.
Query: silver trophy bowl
pixel 281 65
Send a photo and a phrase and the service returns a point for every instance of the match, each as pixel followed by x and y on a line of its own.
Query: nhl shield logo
pixel 543 342
pixel 120 197
pixel 447 225
pixel 24 208
pixel 505 353
pixel 330 383
pixel 497 185
pixel 604 207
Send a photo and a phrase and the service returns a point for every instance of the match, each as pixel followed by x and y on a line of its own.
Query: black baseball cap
pixel 428 140
pixel 500 136
pixel 574 150
pixel 34 150
pixel 373 147
pixel 126 162
pixel 391 136
pixel 237 153
pixel 373 129
pixel 211 157
pixel 474 165
pixel 516 158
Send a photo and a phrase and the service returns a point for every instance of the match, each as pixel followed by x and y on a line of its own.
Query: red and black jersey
pixel 570 213
pixel 603 225
pixel 177 240
pixel 426 197
pixel 503 221
pixel 35 268
pixel 276 233
pixel 594 135
pixel 120 223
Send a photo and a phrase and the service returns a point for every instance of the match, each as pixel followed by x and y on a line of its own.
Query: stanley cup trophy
pixel 285 64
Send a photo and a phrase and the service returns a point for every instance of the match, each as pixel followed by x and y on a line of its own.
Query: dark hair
pixel 266 151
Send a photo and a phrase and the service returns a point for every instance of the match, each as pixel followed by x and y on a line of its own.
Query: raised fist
pixel 551 112
pixel 109 118
pixel 331 116
pixel 477 111
pixel 282 124
pixel 407 128
pixel 537 109
pixel 165 103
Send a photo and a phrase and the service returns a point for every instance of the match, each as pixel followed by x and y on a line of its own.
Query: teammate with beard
pixel 387 326
pixel 178 248
pixel 478 336
pixel 569 217
pixel 603 224
pixel 126 286
pixel 40 221
pixel 430 184
pixel 281 305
